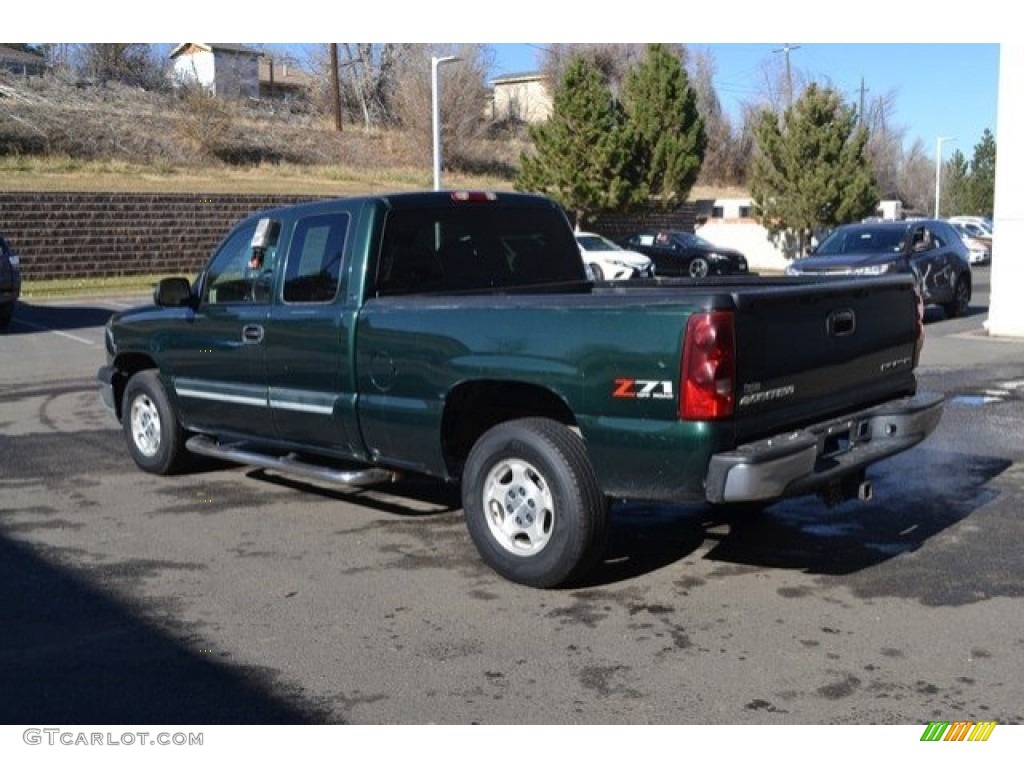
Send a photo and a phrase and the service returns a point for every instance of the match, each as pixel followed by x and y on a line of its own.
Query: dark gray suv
pixel 10 283
pixel 929 249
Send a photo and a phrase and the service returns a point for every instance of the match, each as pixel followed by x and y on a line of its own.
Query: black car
pixel 683 254
pixel 929 249
pixel 10 283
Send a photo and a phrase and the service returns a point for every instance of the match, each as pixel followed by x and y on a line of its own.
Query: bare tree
pixel 885 143
pixel 917 179
pixel 129 63
pixel 728 150
pixel 611 60
pixel 463 99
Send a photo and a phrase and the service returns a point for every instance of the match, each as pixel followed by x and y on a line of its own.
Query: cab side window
pixel 242 272
pixel 315 258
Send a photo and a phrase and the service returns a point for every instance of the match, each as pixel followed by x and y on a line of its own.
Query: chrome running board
pixel 206 446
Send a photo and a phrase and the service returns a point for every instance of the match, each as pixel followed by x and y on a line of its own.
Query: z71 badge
pixel 642 389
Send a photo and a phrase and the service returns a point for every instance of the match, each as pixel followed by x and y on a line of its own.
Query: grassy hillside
pixel 57 135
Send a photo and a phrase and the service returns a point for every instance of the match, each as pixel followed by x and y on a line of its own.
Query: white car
pixel 609 261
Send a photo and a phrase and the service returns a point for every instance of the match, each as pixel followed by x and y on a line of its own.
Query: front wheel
pixel 699 267
pixel 532 503
pixel 155 439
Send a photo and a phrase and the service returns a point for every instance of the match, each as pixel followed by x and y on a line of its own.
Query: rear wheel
pixel 699 267
pixel 961 299
pixel 155 439
pixel 6 313
pixel 533 505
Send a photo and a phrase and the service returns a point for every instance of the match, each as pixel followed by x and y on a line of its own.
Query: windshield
pixel 596 243
pixel 862 240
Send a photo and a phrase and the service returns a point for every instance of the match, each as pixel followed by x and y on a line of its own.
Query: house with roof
pixel 522 96
pixel 227 70
pixel 281 78
pixel 20 59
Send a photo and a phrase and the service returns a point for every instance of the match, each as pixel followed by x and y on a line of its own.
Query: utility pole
pixel 786 48
pixel 863 90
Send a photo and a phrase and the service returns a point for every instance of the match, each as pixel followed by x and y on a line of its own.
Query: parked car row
pixel 10 282
pixel 661 253
pixel 976 237
pixel 610 261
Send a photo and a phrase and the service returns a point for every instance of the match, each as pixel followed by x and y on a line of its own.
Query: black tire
pixel 533 506
pixel 961 302
pixel 6 313
pixel 596 270
pixel 698 267
pixel 155 439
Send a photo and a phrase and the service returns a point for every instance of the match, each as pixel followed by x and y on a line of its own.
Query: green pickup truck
pixel 457 335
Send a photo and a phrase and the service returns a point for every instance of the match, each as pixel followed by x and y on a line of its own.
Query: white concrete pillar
pixel 1006 304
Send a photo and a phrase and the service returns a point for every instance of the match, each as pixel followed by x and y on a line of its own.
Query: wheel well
pixel 127 366
pixel 474 407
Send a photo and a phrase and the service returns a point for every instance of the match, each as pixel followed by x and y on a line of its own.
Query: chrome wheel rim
pixel 145 424
pixel 698 268
pixel 519 508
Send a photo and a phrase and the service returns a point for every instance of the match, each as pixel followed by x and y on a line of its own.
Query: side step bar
pixel 206 446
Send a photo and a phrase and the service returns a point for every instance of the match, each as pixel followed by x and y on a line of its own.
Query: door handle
pixel 252 334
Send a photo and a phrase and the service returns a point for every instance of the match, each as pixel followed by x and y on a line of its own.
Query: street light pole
pixel 938 168
pixel 435 62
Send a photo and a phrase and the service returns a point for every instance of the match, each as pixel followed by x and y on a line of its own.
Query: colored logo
pixel 958 730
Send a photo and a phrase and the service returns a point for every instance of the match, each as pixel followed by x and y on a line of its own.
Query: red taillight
pixel 708 375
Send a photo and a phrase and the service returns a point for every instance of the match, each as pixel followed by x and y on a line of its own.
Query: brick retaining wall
pixel 66 235
pixel 73 235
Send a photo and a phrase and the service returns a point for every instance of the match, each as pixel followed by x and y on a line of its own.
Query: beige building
pixel 525 97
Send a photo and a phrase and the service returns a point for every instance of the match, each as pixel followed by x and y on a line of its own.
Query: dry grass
pixel 57 135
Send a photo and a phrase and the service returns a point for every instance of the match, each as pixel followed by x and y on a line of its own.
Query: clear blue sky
pixel 937 89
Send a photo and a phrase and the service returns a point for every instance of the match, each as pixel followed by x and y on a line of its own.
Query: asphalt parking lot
pixel 233 595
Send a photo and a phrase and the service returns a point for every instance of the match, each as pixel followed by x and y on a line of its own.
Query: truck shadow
pixel 804 534
pixel 74 654
pixel 29 318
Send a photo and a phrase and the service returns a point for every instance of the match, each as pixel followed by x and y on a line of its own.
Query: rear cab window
pixel 444 249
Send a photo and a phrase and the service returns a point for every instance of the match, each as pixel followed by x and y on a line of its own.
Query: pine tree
pixel 956 185
pixel 981 200
pixel 811 170
pixel 585 154
pixel 662 107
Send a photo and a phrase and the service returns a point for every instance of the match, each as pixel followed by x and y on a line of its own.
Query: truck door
pixel 307 345
pixel 216 361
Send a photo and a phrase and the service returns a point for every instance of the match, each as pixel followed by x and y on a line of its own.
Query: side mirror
pixel 173 292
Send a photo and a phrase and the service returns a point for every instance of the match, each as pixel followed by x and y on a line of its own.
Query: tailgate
pixel 813 348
